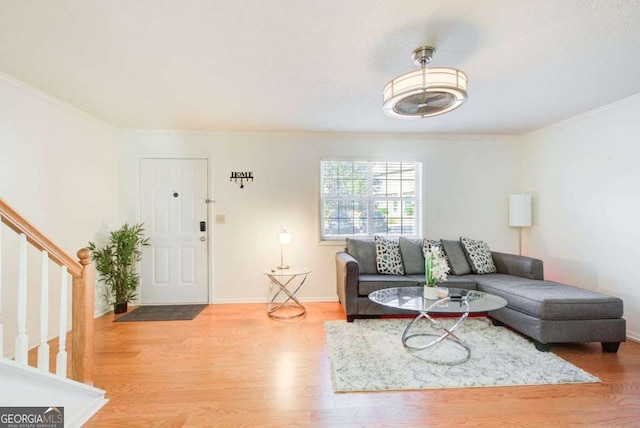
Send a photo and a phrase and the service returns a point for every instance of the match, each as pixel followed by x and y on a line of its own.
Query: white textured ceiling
pixel 309 65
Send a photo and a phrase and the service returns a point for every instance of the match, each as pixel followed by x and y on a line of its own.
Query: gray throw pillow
pixel 479 256
pixel 412 257
pixel 365 254
pixel 457 258
pixel 388 260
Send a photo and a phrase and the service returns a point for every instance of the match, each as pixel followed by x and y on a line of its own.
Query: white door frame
pixel 210 208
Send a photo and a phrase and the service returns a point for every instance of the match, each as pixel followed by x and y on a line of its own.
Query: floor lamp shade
pixel 520 210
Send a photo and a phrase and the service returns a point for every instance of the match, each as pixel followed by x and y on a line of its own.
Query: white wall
pixel 58 168
pixel 585 178
pixel 467 182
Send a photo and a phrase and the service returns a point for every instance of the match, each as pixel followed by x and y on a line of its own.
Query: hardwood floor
pixel 233 366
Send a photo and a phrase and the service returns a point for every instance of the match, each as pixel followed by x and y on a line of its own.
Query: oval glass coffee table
pixel 459 301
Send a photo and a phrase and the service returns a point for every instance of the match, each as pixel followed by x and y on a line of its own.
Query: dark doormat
pixel 162 313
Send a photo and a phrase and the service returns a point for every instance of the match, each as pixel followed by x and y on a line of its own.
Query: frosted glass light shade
pixel 520 210
pixel 284 237
pixel 441 90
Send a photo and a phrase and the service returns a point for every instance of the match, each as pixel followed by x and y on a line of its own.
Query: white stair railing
pixel 82 296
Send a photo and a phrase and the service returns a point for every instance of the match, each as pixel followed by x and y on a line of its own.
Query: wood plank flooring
pixel 234 367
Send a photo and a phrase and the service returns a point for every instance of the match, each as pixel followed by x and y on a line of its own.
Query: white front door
pixel 174 268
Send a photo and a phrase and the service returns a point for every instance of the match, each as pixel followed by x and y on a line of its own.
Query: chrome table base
pixel 448 333
pixel 274 306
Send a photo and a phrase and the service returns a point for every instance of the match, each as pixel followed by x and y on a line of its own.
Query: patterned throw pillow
pixel 428 243
pixel 479 256
pixel 388 260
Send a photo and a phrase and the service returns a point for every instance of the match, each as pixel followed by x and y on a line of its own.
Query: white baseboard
pixel 266 300
pixel 226 301
pixel 634 337
pixel 320 299
pixel 102 311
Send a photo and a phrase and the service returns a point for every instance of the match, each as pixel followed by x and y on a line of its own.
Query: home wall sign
pixel 242 176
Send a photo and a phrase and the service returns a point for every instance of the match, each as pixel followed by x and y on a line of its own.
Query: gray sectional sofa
pixel 547 312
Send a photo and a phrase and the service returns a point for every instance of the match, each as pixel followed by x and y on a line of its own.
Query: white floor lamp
pixel 520 214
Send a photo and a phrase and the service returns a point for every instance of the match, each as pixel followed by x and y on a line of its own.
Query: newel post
pixel 82 321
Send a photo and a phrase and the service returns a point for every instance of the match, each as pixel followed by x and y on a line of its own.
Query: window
pixel 360 198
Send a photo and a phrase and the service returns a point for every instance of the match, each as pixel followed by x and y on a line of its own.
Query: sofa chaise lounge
pixel 547 312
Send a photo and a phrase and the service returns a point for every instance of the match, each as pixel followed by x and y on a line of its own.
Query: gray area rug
pixel 162 313
pixel 368 355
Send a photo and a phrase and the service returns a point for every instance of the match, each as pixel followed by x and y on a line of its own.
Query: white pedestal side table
pixel 287 283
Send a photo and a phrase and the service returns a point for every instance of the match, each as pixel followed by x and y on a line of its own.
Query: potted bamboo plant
pixel 116 264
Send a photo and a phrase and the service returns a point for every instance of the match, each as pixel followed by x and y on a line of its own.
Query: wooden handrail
pixel 36 238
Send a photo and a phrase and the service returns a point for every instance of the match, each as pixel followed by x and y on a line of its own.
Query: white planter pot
pixel 430 293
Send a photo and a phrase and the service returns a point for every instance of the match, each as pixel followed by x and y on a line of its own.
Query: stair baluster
pixel 61 358
pixel 43 349
pixel 1 328
pixel 22 341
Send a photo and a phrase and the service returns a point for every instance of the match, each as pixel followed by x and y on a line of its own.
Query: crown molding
pixel 5 78
pixel 350 135
pixel 566 122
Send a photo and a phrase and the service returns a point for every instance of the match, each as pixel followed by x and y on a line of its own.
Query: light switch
pixel 220 219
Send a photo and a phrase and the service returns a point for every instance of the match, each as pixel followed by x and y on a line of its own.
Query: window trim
pixel 419 186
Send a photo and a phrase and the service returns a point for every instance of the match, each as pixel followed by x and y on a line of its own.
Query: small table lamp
pixel 520 213
pixel 285 238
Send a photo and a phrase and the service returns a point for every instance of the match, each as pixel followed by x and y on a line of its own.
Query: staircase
pixel 26 386
pixel 33 303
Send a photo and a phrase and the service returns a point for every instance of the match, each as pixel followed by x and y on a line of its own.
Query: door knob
pixel 202 238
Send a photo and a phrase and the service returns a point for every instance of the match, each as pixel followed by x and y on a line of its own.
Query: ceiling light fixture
pixel 426 92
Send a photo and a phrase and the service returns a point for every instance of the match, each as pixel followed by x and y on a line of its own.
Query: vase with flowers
pixel 436 269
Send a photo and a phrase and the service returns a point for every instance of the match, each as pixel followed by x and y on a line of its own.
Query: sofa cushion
pixel 457 260
pixel 549 300
pixel 412 257
pixel 479 256
pixel 452 281
pixel 370 283
pixel 388 260
pixel 365 254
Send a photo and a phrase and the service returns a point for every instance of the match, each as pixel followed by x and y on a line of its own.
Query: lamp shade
pixel 520 210
pixel 425 93
pixel 284 237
